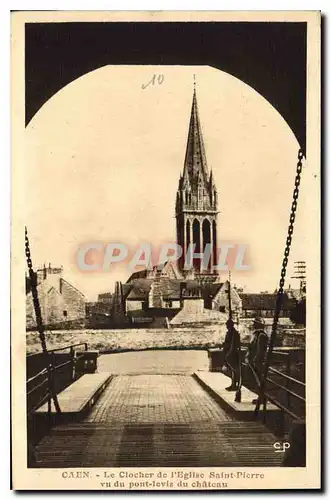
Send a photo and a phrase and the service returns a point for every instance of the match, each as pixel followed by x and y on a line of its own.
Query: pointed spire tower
pixel 196 202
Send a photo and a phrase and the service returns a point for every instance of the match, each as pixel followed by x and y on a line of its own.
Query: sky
pixel 103 157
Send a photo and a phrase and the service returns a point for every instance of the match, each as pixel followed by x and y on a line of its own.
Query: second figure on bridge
pixel 231 350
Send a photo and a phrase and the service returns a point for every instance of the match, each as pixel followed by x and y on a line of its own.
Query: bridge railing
pixel 58 370
pixel 286 392
pixel 282 389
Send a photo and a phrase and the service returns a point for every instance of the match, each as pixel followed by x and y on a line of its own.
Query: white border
pixel 5 156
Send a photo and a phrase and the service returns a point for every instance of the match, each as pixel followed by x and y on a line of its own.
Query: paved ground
pixel 167 362
pixel 143 399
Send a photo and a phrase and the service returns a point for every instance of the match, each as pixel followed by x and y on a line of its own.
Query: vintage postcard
pixel 166 250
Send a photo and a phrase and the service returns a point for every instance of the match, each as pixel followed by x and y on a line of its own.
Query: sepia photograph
pixel 165 295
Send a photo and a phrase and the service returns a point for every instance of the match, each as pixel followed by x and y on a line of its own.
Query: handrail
pixel 282 407
pixel 69 347
pixel 288 391
pixel 37 387
pixel 50 371
pixel 287 377
pixel 60 349
pixel 40 403
pixel 57 367
pixel 43 372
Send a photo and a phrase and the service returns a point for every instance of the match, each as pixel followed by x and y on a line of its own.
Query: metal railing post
pixel 52 387
pixel 50 371
pixel 264 409
pixel 49 401
pixel 73 361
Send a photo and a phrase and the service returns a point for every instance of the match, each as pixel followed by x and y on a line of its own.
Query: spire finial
pixel 194 82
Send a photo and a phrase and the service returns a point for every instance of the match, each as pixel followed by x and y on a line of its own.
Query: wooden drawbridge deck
pixel 157 420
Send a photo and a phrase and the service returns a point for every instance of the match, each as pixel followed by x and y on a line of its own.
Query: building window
pixel 222 309
pixel 65 313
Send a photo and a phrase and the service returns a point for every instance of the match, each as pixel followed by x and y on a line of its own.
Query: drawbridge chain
pixel 36 304
pixel 280 291
pixel 39 321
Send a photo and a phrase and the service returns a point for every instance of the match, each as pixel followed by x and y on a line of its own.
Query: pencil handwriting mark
pixel 155 80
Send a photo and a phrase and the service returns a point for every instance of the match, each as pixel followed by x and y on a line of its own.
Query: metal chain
pixel 280 291
pixel 39 321
pixel 33 281
pixel 292 220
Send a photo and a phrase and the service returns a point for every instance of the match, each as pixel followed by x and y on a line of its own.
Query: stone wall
pixel 133 305
pixel 294 338
pixel 73 301
pixel 221 300
pixel 59 301
pixel 193 312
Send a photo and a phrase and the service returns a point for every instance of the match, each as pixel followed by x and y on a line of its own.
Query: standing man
pixel 231 349
pixel 257 350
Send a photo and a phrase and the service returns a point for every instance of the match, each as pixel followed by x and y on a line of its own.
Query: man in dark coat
pixel 231 349
pixel 257 351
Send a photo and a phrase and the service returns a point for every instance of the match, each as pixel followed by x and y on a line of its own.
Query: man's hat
pixel 258 321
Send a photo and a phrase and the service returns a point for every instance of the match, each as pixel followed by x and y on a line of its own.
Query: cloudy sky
pixel 103 158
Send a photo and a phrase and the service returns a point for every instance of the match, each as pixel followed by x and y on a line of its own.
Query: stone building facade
pixel 61 303
pixel 263 305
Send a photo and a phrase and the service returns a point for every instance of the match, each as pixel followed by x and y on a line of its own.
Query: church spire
pixel 196 199
pixel 195 164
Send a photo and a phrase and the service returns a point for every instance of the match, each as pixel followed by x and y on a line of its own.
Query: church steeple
pixel 196 187
pixel 196 201
pixel 195 159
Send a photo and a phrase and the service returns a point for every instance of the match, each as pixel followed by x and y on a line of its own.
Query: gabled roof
pixel 126 288
pixel 210 290
pixel 264 301
pixel 169 270
pixel 72 286
pixel 170 289
pixel 140 289
pixel 138 275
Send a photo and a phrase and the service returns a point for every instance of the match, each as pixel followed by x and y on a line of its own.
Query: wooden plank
pixel 215 383
pixel 147 422
pixel 81 394
pixel 227 444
